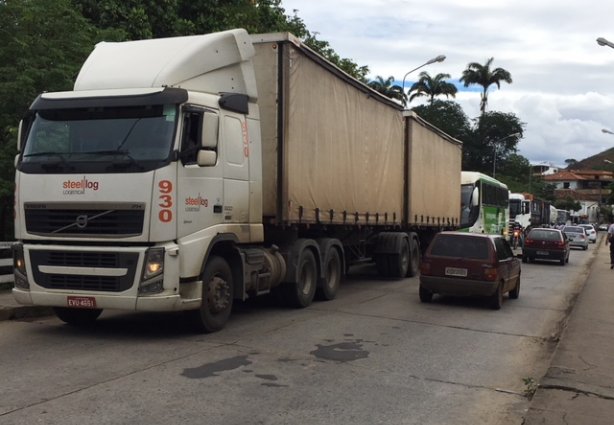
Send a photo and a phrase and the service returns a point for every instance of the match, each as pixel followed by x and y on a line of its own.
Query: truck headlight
pixel 19 267
pixel 154 263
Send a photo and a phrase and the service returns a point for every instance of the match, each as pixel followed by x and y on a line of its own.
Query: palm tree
pixel 386 88
pixel 432 87
pixel 482 75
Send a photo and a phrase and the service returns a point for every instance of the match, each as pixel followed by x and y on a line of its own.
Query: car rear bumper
pixel 542 253
pixel 580 244
pixel 457 286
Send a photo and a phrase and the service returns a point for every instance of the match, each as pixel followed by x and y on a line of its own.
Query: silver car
pixel 590 232
pixel 577 236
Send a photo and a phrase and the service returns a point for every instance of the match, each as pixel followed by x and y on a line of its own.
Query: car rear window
pixel 461 247
pixel 544 235
pixel 573 230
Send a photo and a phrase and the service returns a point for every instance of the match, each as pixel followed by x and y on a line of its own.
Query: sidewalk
pixel 579 385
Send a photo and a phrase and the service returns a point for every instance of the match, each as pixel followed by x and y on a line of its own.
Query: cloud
pixel 563 82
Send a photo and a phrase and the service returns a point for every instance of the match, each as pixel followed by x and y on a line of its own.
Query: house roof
pixel 576 175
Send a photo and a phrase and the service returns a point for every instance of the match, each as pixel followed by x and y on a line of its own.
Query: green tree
pixel 447 116
pixel 42 47
pixel 568 204
pixel 493 139
pixel 482 75
pixel 387 88
pixel 432 87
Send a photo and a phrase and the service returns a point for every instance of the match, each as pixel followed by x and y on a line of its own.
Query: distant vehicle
pixel 603 227
pixel 577 236
pixel 470 264
pixel 546 244
pixel 590 232
pixel 484 204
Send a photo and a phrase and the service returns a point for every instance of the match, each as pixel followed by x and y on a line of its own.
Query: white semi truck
pixel 185 173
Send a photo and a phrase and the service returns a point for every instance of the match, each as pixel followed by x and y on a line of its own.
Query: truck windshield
pixel 515 208
pixel 132 139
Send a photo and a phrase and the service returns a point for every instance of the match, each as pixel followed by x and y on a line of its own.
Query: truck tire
pixel 300 294
pixel 399 263
pixel 77 316
pixel 414 259
pixel 332 275
pixel 217 297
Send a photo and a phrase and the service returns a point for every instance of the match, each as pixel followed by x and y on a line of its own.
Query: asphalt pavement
pixel 578 387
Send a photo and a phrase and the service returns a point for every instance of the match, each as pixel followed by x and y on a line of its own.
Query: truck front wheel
pixel 77 316
pixel 217 297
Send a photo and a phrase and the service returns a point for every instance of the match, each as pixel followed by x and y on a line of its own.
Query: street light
pixel 494 154
pixel 603 42
pixel 439 58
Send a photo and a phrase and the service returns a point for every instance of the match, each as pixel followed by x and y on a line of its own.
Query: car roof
pixel 473 235
pixel 546 228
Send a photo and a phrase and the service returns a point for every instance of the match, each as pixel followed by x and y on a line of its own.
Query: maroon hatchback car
pixel 546 244
pixel 469 264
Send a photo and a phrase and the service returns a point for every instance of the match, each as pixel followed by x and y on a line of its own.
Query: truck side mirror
pixel 209 134
pixel 206 158
pixel 475 197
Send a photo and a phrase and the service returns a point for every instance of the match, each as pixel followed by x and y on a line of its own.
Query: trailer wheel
pixel 300 293
pixel 77 316
pixel 332 275
pixel 217 297
pixel 414 261
pixel 399 263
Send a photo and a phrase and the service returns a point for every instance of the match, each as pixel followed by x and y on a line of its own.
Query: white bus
pixel 484 204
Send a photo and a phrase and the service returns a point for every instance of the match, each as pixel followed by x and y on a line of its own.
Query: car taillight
pixel 490 273
pixel 425 267
pixel 560 244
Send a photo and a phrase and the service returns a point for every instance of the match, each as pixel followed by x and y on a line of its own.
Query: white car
pixel 590 231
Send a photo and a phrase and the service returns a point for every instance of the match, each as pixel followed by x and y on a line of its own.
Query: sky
pixel 563 81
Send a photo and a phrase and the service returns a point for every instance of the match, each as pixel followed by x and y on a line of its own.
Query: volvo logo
pixel 81 221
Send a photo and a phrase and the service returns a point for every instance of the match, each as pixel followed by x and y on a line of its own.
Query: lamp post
pixel 439 58
pixel 494 153
pixel 603 42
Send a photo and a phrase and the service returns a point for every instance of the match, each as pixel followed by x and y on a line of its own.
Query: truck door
pixel 233 133
pixel 200 189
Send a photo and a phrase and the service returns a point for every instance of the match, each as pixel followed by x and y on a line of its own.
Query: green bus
pixel 484 204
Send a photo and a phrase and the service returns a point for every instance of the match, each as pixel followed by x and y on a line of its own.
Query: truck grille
pixel 98 282
pixel 54 221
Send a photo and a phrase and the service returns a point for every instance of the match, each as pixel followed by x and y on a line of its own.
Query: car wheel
pixel 496 299
pixel 524 258
pixel 426 296
pixel 585 247
pixel 562 260
pixel 514 293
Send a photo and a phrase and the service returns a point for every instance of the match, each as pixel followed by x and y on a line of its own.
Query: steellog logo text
pixel 194 204
pixel 78 187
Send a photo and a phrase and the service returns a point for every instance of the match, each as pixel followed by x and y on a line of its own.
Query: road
pixel 374 355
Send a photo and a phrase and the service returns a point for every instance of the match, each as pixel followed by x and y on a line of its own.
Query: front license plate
pixel 80 302
pixel 455 271
pixel 543 253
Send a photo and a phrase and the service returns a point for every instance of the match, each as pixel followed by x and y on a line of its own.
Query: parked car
pixel 577 236
pixel 591 233
pixel 469 264
pixel 546 244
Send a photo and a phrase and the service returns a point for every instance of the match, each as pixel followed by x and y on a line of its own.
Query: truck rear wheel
pixel 217 297
pixel 399 266
pixel 300 293
pixel 332 275
pixel 414 260
pixel 77 316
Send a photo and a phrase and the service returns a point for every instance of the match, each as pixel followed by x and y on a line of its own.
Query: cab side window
pixel 191 137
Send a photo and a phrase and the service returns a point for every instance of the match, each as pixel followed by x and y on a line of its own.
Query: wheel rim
pixel 405 257
pixel 218 294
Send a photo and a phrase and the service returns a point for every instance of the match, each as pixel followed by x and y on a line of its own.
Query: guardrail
pixel 6 262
